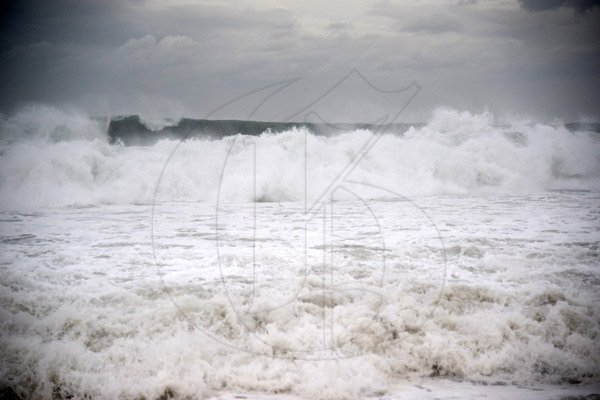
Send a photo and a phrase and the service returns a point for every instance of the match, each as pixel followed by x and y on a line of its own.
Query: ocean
pixel 457 258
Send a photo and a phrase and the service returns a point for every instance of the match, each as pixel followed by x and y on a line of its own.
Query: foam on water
pixel 85 311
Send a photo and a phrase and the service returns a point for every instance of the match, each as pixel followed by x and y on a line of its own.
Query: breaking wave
pixel 58 158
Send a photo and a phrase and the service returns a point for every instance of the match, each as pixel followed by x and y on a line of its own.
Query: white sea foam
pixel 86 311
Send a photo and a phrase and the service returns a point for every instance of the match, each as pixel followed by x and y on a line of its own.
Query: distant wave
pixel 57 158
pixel 134 130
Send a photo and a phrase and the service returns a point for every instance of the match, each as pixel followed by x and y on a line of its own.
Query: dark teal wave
pixel 130 130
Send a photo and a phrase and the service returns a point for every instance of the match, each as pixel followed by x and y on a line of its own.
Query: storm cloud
pixel 525 57
pixel 543 5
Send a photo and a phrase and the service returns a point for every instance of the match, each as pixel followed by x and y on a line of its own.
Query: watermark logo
pixel 306 278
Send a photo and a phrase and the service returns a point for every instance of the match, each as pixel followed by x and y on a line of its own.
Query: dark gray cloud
pixel 88 22
pixel 543 5
pixel 186 58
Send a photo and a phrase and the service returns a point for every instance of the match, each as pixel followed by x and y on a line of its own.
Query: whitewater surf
pixel 458 258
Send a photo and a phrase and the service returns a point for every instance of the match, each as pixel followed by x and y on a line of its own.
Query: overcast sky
pixel 536 58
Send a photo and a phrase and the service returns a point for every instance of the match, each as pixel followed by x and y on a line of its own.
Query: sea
pixel 192 259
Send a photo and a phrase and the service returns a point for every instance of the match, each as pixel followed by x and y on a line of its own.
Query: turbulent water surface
pixel 458 250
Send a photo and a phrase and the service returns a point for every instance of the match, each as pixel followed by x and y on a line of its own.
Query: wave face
pixel 52 158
